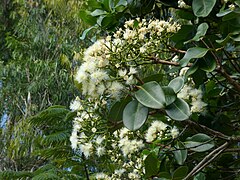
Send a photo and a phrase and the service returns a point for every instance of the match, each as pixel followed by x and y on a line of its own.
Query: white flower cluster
pixel 109 65
pixel 182 4
pixel 159 130
pixel 129 146
pixel 194 96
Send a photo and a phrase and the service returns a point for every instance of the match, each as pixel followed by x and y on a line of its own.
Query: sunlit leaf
pixel 151 165
pixel 151 95
pixel 176 84
pixel 201 31
pixel 170 95
pixel 134 115
pixel 178 110
pixel 199 142
pixel 180 173
pixel 202 8
pixel 193 53
pixel 181 154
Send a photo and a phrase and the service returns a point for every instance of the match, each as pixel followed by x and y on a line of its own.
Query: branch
pixel 232 150
pixel 221 70
pixel 159 61
pixel 209 130
pixel 208 159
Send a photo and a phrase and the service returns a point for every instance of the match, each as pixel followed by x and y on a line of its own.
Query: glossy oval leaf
pixel 201 31
pixel 181 154
pixel 151 165
pixel 98 12
pixel 116 111
pixel 200 176
pixel 134 115
pixel 193 53
pixel 180 173
pixel 199 142
pixel 208 64
pixel 178 110
pixel 202 8
pixel 151 95
pixel 170 95
pixel 176 84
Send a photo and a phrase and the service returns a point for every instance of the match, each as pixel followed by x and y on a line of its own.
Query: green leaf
pixel 170 95
pixel 151 165
pixel 178 110
pixel 86 17
pixel 164 176
pixel 176 84
pixel 86 31
pixel 207 64
pixel 140 7
pixel 107 21
pixel 223 13
pixel 121 3
pixel 200 176
pixel 199 142
pixel 193 53
pixel 202 8
pixel 236 37
pixel 116 111
pixel 107 5
pixel 180 155
pixel 185 14
pixel 201 31
pixel 180 173
pixel 151 95
pixel 134 115
pixel 98 12
pixel 192 69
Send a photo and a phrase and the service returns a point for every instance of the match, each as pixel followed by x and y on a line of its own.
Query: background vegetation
pixel 41 47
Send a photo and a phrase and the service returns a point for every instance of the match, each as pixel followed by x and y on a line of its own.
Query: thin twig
pixel 209 130
pixel 160 61
pixel 208 159
pixel 232 150
pixel 221 70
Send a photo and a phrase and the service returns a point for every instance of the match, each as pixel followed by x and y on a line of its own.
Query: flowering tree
pixel 160 94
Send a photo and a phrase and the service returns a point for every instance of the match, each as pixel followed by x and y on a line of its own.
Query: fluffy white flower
pixel 130 146
pixel 130 80
pixel 101 176
pixel 129 34
pixel 123 132
pixel 133 175
pixel 99 139
pixel 100 89
pixel 74 139
pixel 122 72
pixel 100 151
pixel 174 132
pixel 98 76
pixel 196 93
pixel 129 23
pixel 143 49
pixel 132 70
pixel 119 172
pixel 89 66
pixel 115 89
pixel 76 105
pixel 198 106
pixel 156 128
pixel 81 75
pixel 185 92
pixel 86 149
